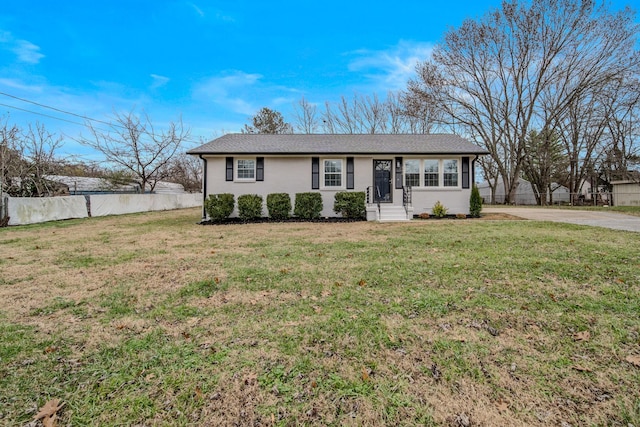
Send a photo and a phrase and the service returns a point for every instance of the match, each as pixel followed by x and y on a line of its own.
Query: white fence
pixel 31 210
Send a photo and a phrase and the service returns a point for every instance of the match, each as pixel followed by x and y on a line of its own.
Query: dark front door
pixel 382 181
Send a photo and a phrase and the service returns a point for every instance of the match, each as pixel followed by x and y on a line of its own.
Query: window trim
pixel 441 172
pixel 323 185
pixel 236 163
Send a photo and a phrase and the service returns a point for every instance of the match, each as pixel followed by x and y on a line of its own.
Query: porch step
pixel 392 213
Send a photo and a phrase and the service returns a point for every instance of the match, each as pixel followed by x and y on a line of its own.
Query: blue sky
pixel 215 63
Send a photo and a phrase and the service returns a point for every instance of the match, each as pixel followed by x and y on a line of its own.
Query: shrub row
pixel 307 205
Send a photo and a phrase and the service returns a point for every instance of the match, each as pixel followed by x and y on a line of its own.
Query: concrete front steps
pixel 394 213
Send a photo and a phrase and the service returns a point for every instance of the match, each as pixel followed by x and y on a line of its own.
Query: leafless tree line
pixel 562 70
pixel 133 149
pixel 362 114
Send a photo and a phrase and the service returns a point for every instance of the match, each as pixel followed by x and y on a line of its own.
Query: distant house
pixel 401 174
pixel 626 192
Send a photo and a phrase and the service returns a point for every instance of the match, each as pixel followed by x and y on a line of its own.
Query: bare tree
pixel 39 150
pixel 305 116
pixel 373 114
pixel 621 152
pixel 10 154
pixel 26 158
pixel 520 68
pixel 133 144
pixel 185 170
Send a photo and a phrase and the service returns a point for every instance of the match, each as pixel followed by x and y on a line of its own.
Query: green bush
pixel 350 204
pixel 219 206
pixel 249 206
pixel 438 210
pixel 308 205
pixel 475 202
pixel 279 205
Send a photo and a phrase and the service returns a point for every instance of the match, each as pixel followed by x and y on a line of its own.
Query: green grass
pixel 296 324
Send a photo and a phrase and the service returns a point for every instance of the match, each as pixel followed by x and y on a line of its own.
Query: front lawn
pixel 151 319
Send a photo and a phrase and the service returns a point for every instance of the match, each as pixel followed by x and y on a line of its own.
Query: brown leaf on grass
pixel 553 297
pixel 362 282
pixel 502 405
pixel 198 393
pixel 51 349
pixel 634 360
pixel 365 374
pixel 582 336
pixel 48 413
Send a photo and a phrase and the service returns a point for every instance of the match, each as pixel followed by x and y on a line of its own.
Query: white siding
pixel 293 175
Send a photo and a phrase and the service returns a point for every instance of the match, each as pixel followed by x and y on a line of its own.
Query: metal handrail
pixel 406 198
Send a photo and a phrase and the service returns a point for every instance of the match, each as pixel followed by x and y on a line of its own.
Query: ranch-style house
pixel 402 174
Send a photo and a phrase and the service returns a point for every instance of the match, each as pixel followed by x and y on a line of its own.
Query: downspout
pixel 473 171
pixel 204 186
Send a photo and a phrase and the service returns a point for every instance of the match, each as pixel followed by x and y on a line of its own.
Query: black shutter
pixel 398 172
pixel 229 168
pixel 465 172
pixel 315 173
pixel 259 168
pixel 350 173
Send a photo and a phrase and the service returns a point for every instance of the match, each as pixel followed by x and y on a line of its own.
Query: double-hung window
pixel 450 175
pixel 431 173
pixel 332 172
pixel 412 173
pixel 246 169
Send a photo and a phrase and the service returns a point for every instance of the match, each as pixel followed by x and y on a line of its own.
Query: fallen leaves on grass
pixel 502 405
pixel 634 360
pixel 582 336
pixel 49 413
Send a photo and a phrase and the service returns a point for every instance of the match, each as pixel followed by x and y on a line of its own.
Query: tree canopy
pixel 268 121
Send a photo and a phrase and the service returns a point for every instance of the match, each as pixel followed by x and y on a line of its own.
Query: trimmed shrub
pixel 438 210
pixel 249 206
pixel 350 204
pixel 308 205
pixel 475 202
pixel 219 206
pixel 279 205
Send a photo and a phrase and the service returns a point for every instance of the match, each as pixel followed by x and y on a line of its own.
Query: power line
pixel 40 114
pixel 56 109
pixel 66 112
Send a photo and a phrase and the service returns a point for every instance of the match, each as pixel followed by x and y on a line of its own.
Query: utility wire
pixel 58 110
pixel 65 112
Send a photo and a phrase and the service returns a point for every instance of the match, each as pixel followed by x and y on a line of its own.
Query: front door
pixel 382 181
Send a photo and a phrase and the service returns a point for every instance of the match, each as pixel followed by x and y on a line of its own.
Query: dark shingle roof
pixel 236 143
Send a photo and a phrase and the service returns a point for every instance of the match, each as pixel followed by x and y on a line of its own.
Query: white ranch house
pixel 402 175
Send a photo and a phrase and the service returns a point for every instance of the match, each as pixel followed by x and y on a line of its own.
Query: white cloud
pixel 24 50
pixel 197 9
pixel 390 69
pixel 158 81
pixel 231 90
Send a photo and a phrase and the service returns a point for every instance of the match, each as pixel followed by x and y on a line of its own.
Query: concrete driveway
pixel 613 220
